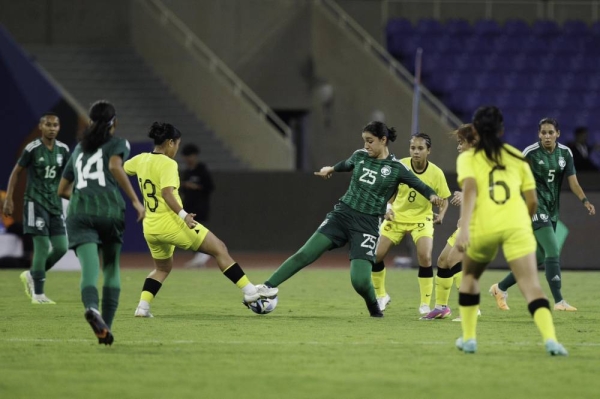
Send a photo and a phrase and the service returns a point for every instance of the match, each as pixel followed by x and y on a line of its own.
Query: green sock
pixel 112 281
pixel 360 275
pixel 59 249
pixel 553 277
pixel 508 282
pixel 90 270
pixel 41 247
pixel 110 303
pixel 316 246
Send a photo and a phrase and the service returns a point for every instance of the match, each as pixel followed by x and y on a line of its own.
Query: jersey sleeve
pixel 25 159
pixel 570 167
pixel 464 167
pixel 410 179
pixel 68 172
pixel 443 191
pixel 170 176
pixel 130 166
pixel 527 179
pixel 347 165
pixel 121 148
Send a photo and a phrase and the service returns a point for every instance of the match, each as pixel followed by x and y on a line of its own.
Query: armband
pixel 182 214
pixel 584 200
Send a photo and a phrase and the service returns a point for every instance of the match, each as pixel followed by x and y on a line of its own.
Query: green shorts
pixel 345 225
pixel 37 221
pixel 85 229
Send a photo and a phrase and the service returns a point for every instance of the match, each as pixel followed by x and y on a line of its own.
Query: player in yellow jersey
pixel 449 262
pixel 494 176
pixel 412 214
pixel 167 225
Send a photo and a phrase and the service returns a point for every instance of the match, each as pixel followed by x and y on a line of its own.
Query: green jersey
pixel 95 190
pixel 44 168
pixel 549 169
pixel 374 181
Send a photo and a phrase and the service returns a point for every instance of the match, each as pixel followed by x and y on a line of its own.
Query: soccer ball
pixel 263 305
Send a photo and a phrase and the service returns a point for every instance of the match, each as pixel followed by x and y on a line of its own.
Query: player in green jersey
pixel 499 197
pixel 44 159
pixel 96 214
pixel 376 175
pixel 550 162
pixel 409 213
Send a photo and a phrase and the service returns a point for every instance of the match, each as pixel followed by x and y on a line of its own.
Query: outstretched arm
pixel 578 191
pixel 407 177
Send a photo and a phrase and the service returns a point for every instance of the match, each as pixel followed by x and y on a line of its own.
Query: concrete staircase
pixel 140 97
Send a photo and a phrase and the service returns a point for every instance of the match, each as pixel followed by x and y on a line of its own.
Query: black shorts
pixel 345 225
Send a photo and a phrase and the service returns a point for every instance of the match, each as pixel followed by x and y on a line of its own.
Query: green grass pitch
pixel 318 343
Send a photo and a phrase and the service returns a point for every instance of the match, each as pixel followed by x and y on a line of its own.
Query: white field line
pixel 316 343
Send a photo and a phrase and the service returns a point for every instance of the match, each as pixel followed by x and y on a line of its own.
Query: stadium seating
pixel 529 71
pixel 121 76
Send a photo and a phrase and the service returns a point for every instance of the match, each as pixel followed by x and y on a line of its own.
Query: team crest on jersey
pixel 386 171
pixel 561 162
pixel 39 223
pixel 544 217
pixel 59 159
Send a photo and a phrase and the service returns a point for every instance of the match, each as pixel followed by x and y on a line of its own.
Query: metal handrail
pixel 394 66
pixel 216 65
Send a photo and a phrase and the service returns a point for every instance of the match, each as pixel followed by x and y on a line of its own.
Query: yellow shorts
pixel 162 246
pixel 452 238
pixel 396 231
pixel 516 243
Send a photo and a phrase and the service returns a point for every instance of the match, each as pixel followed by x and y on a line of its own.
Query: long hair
pixel 489 123
pixel 380 130
pixel 103 115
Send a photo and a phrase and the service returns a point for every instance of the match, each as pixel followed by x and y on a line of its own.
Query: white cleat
pixel 27 281
pixel 141 312
pixel 42 299
pixel 262 291
pixel 384 301
pixel 424 309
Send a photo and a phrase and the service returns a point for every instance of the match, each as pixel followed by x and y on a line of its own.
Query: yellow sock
pixel 147 296
pixel 457 279
pixel 426 288
pixel 442 290
pixel 379 283
pixel 244 281
pixel 543 320
pixel 468 315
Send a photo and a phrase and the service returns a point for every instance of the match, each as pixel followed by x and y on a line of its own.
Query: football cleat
pixel 424 309
pixel 27 281
pixel 374 310
pixel 438 313
pixel 99 326
pixel 500 297
pixel 555 349
pixel 384 301
pixel 262 291
pixel 141 312
pixel 563 305
pixel 42 300
pixel 468 346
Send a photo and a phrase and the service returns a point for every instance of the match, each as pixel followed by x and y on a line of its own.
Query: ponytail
pixel 103 117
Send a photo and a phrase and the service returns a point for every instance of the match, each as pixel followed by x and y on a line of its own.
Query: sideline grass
pixel 319 343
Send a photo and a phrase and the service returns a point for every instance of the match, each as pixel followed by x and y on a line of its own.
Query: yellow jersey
pixel 499 205
pixel 410 206
pixel 155 172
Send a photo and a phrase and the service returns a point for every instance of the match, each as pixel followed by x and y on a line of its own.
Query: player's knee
pixel 424 260
pixel 442 261
pixel 303 257
pixel 220 248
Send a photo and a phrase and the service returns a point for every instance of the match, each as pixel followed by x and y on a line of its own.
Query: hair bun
pixel 157 130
